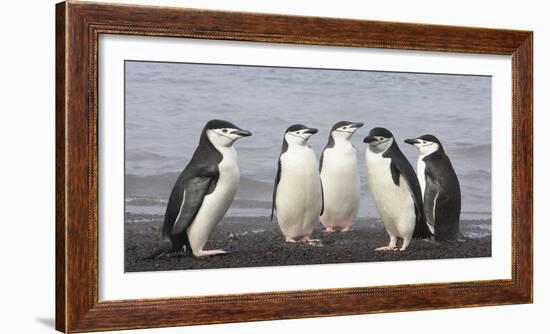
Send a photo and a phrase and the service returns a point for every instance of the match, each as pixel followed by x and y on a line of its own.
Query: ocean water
pixel 167 104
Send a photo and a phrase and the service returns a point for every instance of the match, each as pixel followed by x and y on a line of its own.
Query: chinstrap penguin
pixel 202 192
pixel 440 188
pixel 297 193
pixel 395 189
pixel 340 178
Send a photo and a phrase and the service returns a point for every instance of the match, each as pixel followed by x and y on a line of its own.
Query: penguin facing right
pixel 297 193
pixel 202 193
pixel 440 188
pixel 395 189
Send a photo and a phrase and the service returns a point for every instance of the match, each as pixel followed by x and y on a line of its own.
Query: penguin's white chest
pixel 215 204
pixel 341 186
pixel 420 171
pixel 298 199
pixel 394 203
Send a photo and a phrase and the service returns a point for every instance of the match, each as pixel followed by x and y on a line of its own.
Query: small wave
pixel 146 201
pixel 162 201
pixel 251 204
pixel 143 155
pixel 160 185
pixel 250 184
pixel 476 234
pixel 472 149
pixel 141 217
pixel 477 174
pixel 150 185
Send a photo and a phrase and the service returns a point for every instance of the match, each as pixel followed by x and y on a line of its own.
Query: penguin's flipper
pixel 322 199
pixel 394 173
pixel 195 190
pixel 277 179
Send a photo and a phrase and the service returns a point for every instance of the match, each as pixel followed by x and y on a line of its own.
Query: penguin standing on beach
pixel 440 188
pixel 340 178
pixel 203 192
pixel 297 193
pixel 395 189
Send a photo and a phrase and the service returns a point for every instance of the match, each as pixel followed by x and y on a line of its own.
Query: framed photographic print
pixel 223 166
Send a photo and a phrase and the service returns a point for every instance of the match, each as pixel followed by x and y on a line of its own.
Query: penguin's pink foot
pixel 405 244
pixel 212 252
pixel 329 230
pixel 346 229
pixel 391 246
pixel 386 248
pixel 290 239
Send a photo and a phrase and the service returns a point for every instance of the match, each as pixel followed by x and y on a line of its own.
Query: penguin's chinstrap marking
pixel 203 192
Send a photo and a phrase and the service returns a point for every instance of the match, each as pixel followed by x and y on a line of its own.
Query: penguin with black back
pixel 202 193
pixel 440 188
pixel 395 190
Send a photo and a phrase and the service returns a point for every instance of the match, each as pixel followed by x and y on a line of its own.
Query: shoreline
pixel 257 242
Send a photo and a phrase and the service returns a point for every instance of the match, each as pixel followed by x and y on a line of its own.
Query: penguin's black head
pixel 224 133
pixel 378 135
pixel 426 144
pixel 299 133
pixel 345 129
pixel 379 139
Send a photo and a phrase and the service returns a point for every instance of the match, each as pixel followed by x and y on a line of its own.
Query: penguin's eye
pixel 224 130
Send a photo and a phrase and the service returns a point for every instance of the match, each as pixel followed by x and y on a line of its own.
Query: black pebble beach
pixel 257 242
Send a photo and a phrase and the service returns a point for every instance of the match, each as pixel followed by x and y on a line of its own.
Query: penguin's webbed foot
pixel 405 245
pixel 213 252
pixel 329 230
pixel 346 229
pixel 290 239
pixel 386 248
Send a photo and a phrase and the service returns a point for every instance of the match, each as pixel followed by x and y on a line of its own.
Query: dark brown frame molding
pixel 78 26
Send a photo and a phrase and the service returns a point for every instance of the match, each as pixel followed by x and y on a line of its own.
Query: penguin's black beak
pixel 311 131
pixel 411 141
pixel 369 139
pixel 242 133
pixel 357 125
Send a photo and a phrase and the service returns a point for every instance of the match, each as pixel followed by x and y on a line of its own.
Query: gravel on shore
pixel 256 242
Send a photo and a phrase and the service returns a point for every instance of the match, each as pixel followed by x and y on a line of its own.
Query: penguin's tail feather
pixel 164 248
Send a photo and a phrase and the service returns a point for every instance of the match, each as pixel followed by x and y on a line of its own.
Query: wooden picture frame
pixel 78 26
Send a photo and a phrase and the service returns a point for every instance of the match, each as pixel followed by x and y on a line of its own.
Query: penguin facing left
pixel 395 189
pixel 297 193
pixel 202 192
pixel 440 188
pixel 340 178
